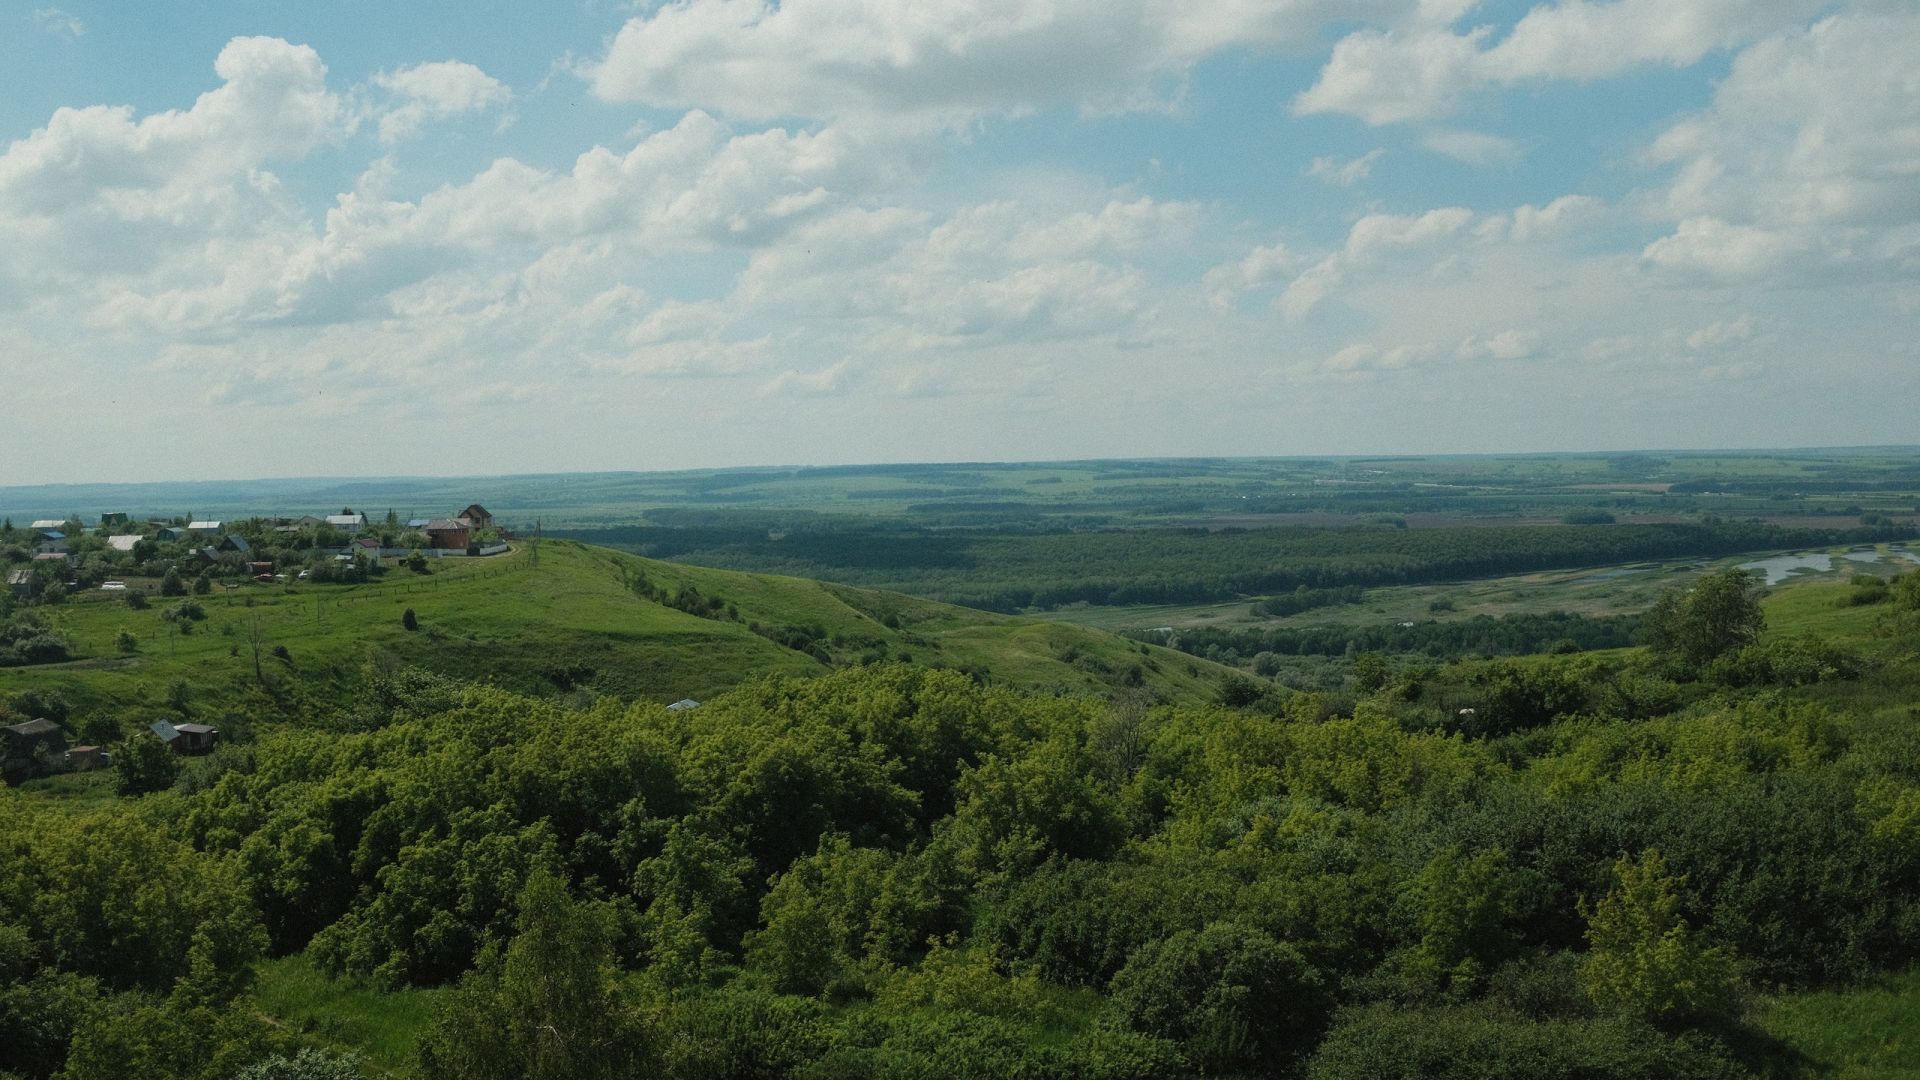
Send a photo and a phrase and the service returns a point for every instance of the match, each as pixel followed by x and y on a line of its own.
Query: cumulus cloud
pixel 1423 71
pixel 1263 266
pixel 1807 156
pixel 937 58
pixel 428 91
pixel 98 200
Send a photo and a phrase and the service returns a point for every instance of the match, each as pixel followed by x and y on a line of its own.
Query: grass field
pixel 569 624
pixel 1865 1033
pixel 382 1026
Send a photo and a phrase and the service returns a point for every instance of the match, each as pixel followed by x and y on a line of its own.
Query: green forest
pixel 1629 863
pixel 1007 571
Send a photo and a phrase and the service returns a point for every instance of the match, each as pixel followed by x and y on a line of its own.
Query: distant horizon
pixel 51 499
pixel 1402 455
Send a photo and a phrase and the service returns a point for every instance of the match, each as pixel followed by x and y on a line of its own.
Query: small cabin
pixel 449 534
pixel 86 758
pixel 190 739
pixel 476 516
pixel 32 749
pixel 34 736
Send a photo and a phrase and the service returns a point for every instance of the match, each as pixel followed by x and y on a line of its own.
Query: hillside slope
pixel 577 619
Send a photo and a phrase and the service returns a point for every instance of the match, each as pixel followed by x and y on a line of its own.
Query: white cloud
pixel 1472 147
pixel 1711 246
pixel 1259 268
pixel 1512 344
pixel 1419 71
pixel 1345 173
pixel 1807 158
pixel 97 201
pixel 427 91
pixel 59 23
pixel 938 59
pixel 1721 334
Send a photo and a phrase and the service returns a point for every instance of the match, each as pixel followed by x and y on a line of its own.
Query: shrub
pixel 143 764
pixel 409 620
pixel 1645 960
pixel 1236 998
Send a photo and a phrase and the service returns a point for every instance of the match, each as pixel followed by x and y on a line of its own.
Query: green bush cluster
pixel 895 871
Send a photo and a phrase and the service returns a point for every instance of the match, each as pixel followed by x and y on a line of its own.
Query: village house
pixel 126 542
pixel 108 521
pixel 449 534
pixel 186 738
pixel 204 526
pixel 30 748
pixel 23 583
pixel 347 523
pixel 476 517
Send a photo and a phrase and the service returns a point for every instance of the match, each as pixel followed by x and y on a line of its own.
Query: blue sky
pixel 276 239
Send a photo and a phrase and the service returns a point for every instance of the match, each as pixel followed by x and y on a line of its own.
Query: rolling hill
pixel 575 620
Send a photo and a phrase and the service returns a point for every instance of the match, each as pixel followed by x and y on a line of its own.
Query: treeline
pixel 1481 635
pixel 896 872
pixel 1305 599
pixel 1010 572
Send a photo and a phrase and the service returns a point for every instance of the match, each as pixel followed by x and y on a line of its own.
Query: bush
pixel 171 584
pixel 1645 960
pixel 203 584
pixel 409 620
pixel 308 1064
pixel 126 643
pixel 1236 998
pixel 143 764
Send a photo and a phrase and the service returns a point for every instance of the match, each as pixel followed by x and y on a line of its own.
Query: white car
pixel 113 586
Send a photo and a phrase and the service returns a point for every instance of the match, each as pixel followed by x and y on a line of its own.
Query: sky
pixel 444 238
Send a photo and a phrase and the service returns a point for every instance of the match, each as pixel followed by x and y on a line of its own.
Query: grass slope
pixel 1866 1033
pixel 570 623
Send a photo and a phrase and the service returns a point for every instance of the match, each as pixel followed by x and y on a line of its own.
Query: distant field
pixel 1782 485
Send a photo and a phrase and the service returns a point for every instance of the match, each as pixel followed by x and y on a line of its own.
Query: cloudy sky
pixel 278 239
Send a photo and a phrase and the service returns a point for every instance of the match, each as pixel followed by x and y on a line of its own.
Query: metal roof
pixel 195 729
pixel 164 730
pixel 48 523
pixel 683 704
pixel 196 526
pixel 346 519
pixel 31 728
pixel 124 543
pixel 447 525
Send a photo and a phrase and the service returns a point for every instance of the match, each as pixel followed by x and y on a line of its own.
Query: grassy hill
pixel 579 620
